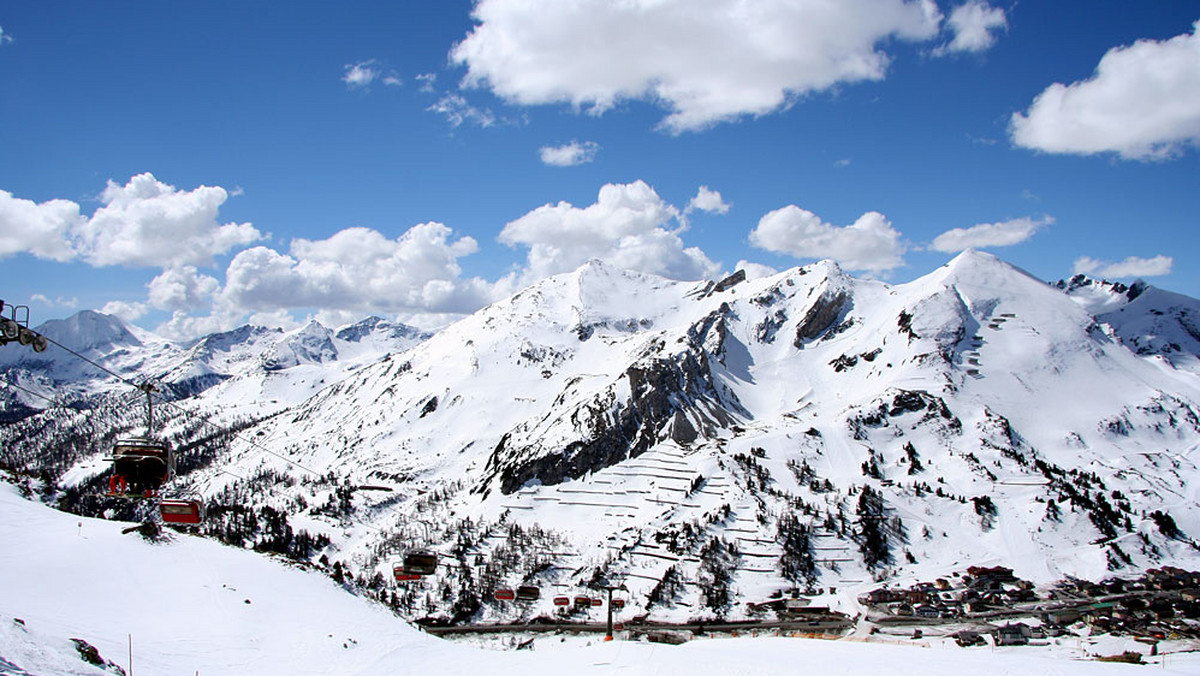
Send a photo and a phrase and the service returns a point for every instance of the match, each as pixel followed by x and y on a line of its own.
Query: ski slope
pixel 191 606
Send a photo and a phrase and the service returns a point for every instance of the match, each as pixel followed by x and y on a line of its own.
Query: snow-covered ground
pixel 191 606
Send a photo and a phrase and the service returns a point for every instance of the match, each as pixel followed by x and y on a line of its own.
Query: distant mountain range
pixel 706 444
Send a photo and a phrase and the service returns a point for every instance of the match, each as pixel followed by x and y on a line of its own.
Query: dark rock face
pixel 669 398
pixel 821 316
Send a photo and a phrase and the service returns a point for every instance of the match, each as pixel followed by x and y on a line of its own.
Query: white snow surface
pixel 191 606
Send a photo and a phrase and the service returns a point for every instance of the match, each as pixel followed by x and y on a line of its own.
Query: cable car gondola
pixel 562 600
pixel 401 576
pixel 503 595
pixel 528 593
pixel 141 465
pixel 420 563
pixel 182 512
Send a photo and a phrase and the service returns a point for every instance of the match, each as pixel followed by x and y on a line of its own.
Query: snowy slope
pixel 1149 321
pixel 192 606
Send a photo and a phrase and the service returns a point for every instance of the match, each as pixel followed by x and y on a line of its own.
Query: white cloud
pixel 756 270
pixel 183 326
pixel 360 74
pixel 627 226
pixel 427 80
pixel 359 269
pixel 708 201
pixel 705 61
pixel 149 223
pixel 1143 102
pixel 363 74
pixel 984 235
pixel 127 311
pixel 1130 267
pixel 43 230
pixel 870 243
pixel 973 25
pixel 457 111
pixel 53 302
pixel 570 154
pixel 182 288
pixel 4 37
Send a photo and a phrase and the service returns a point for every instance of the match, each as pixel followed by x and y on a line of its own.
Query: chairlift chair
pixel 420 563
pixel 401 576
pixel 141 465
pixel 183 512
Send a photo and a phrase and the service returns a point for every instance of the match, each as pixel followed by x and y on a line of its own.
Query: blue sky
pixel 192 166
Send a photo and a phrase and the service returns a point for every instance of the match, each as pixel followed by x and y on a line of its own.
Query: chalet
pixel 881 596
pixel 967 639
pixel 1012 634
pixel 927 611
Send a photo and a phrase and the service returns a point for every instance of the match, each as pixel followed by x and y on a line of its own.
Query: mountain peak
pixel 90 330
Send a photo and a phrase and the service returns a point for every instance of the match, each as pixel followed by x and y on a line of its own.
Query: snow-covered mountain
pixel 253 360
pixel 714 443
pixel 1149 321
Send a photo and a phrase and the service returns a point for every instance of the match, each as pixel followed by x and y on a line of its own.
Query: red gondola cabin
pixel 185 512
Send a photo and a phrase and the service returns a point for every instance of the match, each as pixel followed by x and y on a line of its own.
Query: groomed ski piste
pixel 191 606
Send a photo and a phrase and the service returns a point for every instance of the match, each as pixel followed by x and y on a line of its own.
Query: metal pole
pixel 608 635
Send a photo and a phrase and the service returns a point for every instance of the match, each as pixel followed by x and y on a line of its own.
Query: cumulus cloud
pixel 570 154
pixel 457 111
pixel 43 230
pixel 127 311
pixel 1143 103
pixel 182 288
pixel 359 269
pixel 870 243
pixel 986 235
pixel 705 61
pixel 151 224
pixel 756 270
pixel 1133 266
pixel 974 25
pixel 709 201
pixel 628 225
